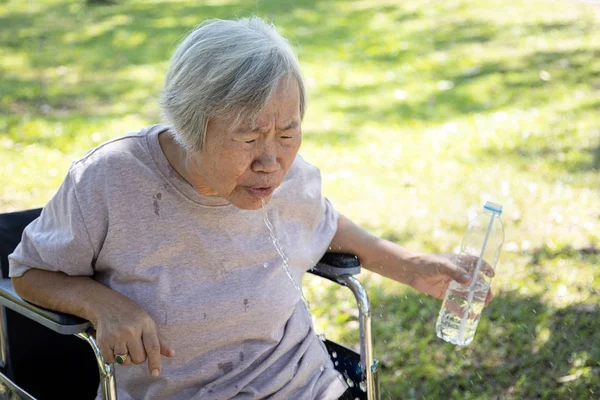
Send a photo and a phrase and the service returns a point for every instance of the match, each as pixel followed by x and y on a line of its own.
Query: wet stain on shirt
pixel 226 367
pixel 156 198
pixel 241 356
pixel 245 305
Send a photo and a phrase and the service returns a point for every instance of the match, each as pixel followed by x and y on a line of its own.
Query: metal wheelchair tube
pixel 107 371
pixel 368 365
pixel 3 338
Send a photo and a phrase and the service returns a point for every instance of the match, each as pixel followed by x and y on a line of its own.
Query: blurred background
pixel 419 112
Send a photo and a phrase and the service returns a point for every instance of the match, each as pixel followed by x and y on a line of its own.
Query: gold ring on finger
pixel 121 358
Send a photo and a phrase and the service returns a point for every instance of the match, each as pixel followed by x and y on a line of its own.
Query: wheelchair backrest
pixel 42 362
pixel 11 228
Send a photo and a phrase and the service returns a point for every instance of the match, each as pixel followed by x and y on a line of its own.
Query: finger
pixel 487 269
pixel 137 354
pixel 121 350
pixel 484 267
pixel 469 263
pixel 107 352
pixel 152 346
pixel 460 309
pixel 458 273
pixel 166 350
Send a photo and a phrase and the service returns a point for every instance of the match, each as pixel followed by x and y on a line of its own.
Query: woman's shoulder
pixel 116 154
pixel 302 169
pixel 302 182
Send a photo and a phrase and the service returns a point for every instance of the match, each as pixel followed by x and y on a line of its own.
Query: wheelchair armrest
pixel 334 265
pixel 64 324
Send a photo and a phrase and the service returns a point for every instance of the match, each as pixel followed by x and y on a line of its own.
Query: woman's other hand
pixel 428 273
pixel 433 273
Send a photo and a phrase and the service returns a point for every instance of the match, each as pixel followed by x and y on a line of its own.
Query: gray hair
pixel 227 68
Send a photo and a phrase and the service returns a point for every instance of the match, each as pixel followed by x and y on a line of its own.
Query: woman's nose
pixel 267 160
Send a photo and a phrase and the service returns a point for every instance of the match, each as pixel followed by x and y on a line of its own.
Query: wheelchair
pixel 41 356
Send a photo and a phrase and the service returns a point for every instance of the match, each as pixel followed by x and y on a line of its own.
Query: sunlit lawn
pixel 419 112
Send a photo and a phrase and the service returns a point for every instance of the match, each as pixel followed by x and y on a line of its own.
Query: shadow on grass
pixel 523 349
pixel 517 336
pixel 109 38
pixel 94 44
pixel 569 67
pixel 546 253
pixel 554 157
pixel 472 93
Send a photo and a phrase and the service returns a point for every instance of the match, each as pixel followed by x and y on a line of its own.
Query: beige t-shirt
pixel 205 271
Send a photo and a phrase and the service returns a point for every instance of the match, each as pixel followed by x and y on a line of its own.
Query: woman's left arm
pixel 428 273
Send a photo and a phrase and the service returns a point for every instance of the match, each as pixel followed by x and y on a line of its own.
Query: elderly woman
pixel 157 237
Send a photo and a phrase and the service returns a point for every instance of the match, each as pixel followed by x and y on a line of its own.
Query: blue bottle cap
pixel 497 208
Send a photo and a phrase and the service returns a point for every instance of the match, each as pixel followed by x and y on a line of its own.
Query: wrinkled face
pixel 247 162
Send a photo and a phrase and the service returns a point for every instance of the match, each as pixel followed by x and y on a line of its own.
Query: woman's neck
pixel 183 163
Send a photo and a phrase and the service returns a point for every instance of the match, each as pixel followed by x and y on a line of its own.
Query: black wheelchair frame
pixel 41 359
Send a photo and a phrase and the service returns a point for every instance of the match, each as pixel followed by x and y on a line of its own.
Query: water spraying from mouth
pixel 286 264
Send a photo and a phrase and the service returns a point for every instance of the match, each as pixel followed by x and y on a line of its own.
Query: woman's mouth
pixel 261 191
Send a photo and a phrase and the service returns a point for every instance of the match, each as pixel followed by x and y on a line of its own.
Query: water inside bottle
pixel 458 321
pixel 277 244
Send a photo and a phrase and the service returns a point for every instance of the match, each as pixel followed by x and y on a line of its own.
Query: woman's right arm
pixel 122 326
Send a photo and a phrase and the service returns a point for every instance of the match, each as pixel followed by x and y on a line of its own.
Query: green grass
pixel 419 111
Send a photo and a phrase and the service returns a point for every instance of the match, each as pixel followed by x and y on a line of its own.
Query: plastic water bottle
pixel 479 252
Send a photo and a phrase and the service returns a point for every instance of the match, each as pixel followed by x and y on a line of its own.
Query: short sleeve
pixel 309 218
pixel 324 217
pixel 325 229
pixel 58 240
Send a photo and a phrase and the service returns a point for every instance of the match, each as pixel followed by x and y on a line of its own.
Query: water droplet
pixel 349 382
pixel 336 363
pixel 265 265
pixel 334 354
